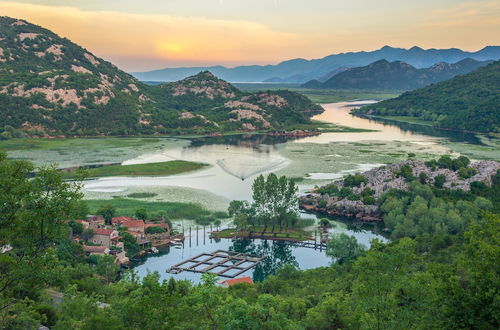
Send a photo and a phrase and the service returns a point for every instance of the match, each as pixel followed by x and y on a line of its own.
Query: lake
pixel 237 160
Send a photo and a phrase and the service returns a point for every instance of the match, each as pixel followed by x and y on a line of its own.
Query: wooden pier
pixel 308 244
pixel 221 263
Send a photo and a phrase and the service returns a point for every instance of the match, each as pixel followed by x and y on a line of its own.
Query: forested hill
pixel 397 75
pixel 467 102
pixel 51 86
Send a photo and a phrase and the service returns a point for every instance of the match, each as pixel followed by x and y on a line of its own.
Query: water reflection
pixel 428 130
pixel 277 255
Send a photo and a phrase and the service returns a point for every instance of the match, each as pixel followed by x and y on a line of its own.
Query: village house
pixel 105 237
pixel 233 281
pixel 117 221
pixel 120 256
pixel 85 223
pixel 96 250
pixel 95 221
pixel 134 225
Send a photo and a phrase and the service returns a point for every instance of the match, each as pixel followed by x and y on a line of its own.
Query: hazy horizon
pixel 153 35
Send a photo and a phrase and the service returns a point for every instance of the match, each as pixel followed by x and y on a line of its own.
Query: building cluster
pixel 106 239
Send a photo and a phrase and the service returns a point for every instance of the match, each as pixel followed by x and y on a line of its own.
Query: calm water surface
pixel 236 160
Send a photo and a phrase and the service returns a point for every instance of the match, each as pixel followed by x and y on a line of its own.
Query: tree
pixel 155 230
pixel 423 177
pixel 275 200
pixel 76 227
pixel 87 234
pixel 141 214
pixel 33 211
pixel 440 180
pixel 130 243
pixel 342 248
pixel 108 212
pixel 325 223
pixel 106 267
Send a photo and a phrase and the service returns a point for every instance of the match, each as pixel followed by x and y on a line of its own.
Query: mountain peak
pixel 416 49
pixel 204 84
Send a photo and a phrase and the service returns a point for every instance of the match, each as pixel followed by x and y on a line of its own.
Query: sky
pixel 152 34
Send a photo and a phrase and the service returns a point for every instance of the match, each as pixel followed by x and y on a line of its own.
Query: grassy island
pixel 150 169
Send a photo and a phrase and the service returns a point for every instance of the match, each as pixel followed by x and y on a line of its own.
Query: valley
pixel 242 165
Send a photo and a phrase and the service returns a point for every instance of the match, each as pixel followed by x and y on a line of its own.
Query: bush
pixel 467 172
pixel 406 172
pixel 155 230
pixel 423 177
pixel 369 200
pixel 322 203
pixel 354 180
pixel 440 180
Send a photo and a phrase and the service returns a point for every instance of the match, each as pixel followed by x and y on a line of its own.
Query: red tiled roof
pixel 133 223
pixel 95 249
pixel 81 221
pixel 103 231
pixel 117 220
pixel 244 279
pixel 162 225
pixel 133 233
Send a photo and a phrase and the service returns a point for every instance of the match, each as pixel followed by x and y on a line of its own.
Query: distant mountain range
pixel 469 102
pixel 51 86
pixel 301 70
pixel 397 75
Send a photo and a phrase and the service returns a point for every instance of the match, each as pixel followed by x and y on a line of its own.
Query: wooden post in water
pixel 196 235
pixel 189 236
pixel 315 239
pixel 320 241
pixel 203 234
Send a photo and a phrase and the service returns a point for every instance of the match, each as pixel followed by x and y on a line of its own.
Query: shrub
pixel 155 230
pixel 439 180
pixel 354 180
pixel 467 172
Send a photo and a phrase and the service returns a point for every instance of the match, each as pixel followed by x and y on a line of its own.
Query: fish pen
pixel 221 263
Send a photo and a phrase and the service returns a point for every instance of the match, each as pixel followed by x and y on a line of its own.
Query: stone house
pixel 105 237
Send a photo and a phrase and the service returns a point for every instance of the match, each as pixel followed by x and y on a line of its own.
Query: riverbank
pixel 359 196
pixel 170 210
pixel 296 235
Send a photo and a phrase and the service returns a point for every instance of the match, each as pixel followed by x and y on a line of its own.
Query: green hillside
pixel 469 102
pixel 51 86
pixel 397 75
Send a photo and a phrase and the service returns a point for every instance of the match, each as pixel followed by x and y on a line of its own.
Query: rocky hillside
pixel 469 102
pixel 51 86
pixel 358 195
pixel 397 75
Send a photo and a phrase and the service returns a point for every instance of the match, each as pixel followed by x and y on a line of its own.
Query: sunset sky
pixel 151 34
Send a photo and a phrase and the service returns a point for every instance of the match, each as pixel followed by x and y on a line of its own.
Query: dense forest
pixel 467 102
pixel 51 86
pixel 432 275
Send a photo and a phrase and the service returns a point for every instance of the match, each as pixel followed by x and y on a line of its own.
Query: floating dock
pixel 222 263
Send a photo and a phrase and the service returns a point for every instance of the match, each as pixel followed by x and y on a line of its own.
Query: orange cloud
pixel 139 42
pixel 158 38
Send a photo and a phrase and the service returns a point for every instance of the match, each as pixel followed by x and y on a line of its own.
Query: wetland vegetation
pixel 150 169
